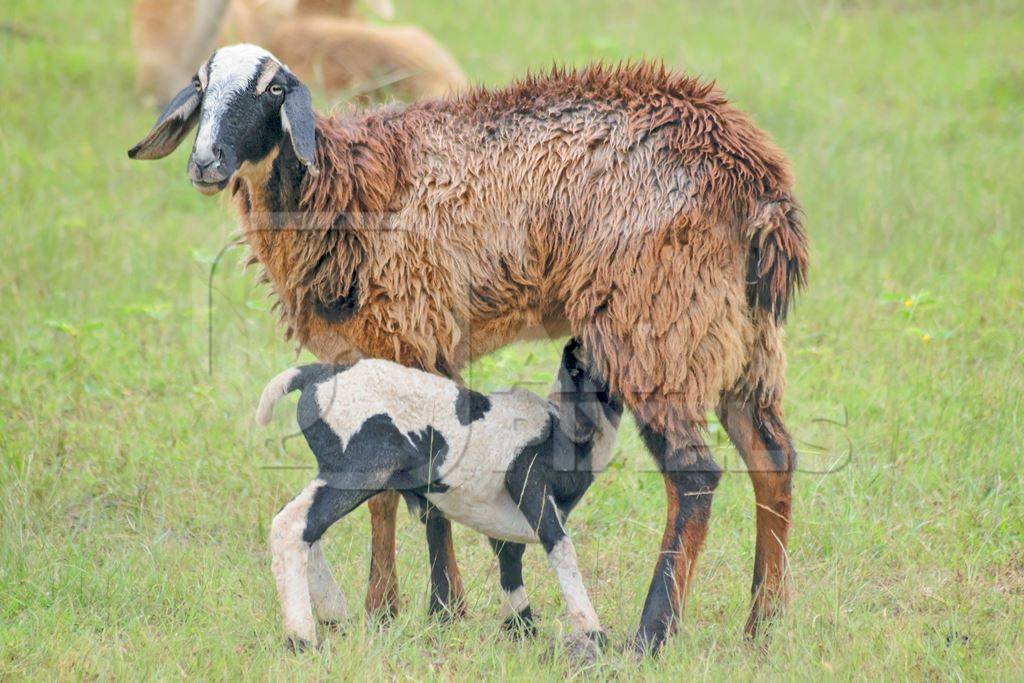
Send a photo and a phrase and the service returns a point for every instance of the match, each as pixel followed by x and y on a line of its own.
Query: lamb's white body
pixel 494 463
pixel 479 453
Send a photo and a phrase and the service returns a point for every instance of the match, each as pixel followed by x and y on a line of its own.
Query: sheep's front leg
pixel 328 600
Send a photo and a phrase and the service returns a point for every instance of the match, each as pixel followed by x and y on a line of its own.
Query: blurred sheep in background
pixel 325 42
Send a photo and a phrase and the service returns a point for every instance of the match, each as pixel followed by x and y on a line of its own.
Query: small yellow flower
pixel 926 338
pixel 908 303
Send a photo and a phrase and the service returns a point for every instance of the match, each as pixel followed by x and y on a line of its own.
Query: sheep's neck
pixel 308 257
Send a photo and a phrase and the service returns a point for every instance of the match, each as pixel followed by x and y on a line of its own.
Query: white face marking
pixel 231 70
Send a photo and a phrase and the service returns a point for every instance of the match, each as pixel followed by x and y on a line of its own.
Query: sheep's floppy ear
pixel 298 122
pixel 180 116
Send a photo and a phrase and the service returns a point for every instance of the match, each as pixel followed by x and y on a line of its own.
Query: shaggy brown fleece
pixel 635 208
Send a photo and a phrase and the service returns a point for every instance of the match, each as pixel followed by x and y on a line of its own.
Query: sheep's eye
pixel 276 90
pixel 197 84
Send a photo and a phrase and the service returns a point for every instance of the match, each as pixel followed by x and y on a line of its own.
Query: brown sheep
pixel 322 40
pixel 170 37
pixel 338 55
pixel 631 207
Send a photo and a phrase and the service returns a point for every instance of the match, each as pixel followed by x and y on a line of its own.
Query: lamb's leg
pixel 290 557
pixel 295 528
pixel 328 600
pixel 446 593
pixel 762 440
pixel 586 637
pixel 516 606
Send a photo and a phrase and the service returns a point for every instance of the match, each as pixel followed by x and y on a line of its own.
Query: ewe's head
pixel 246 103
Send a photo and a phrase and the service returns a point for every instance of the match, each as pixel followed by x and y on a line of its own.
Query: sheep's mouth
pixel 209 188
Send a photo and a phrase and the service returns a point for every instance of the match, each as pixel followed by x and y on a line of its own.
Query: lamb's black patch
pixel 510 566
pixel 552 465
pixel 314 373
pixel 377 456
pixel 471 406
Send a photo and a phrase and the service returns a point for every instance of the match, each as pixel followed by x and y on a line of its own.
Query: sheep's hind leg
pixel 294 530
pixel 765 446
pixel 516 606
pixel 328 600
pixel 382 586
pixel 690 476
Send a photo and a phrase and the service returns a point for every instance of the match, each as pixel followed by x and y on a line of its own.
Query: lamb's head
pixel 584 401
pixel 246 103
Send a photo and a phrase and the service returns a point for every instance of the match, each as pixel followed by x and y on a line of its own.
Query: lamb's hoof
pixel 297 645
pixel 580 650
pixel 519 626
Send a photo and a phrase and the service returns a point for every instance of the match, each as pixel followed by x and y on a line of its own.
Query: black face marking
pixel 471 406
pixel 560 461
pixel 245 127
pixel 554 463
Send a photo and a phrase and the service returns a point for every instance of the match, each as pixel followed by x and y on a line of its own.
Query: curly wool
pixel 632 207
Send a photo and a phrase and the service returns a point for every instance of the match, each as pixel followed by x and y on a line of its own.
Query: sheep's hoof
pixel 520 625
pixel 445 613
pixel 297 645
pixel 580 650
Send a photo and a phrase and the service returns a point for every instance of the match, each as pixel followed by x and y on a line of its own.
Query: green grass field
pixel 135 493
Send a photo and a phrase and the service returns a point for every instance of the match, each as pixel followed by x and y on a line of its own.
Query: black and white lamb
pixel 510 465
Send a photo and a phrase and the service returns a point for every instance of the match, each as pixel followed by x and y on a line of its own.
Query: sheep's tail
pixel 288 381
pixel 777 256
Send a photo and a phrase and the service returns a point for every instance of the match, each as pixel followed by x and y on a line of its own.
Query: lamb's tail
pixel 288 381
pixel 777 256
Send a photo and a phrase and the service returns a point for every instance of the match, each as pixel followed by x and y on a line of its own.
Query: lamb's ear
pixel 180 116
pixel 298 122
